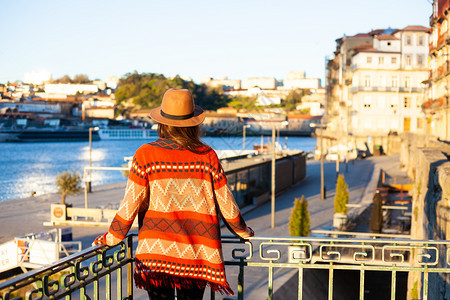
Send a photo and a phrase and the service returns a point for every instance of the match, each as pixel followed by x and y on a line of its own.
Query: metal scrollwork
pixel 270 251
pixel 29 295
pixel 118 255
pixel 395 252
pixel 430 250
pixel 96 266
pixel 242 250
pixel 300 253
pixel 81 272
pixel 50 287
pixel 67 280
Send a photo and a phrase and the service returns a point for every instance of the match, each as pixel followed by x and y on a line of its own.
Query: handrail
pixel 82 272
pixel 74 276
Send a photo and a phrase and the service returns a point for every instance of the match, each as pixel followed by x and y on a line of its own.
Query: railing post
pixel 393 283
pixel 241 279
pixel 361 282
pixel 330 282
pixel 300 283
pixel 270 283
pixel 130 267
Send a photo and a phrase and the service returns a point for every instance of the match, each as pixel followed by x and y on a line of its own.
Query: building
pixel 265 83
pixel 313 102
pixel 224 83
pixel 375 82
pixel 71 89
pixel 436 106
pixel 298 80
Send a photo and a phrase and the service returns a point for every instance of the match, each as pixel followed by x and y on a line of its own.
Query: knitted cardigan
pixel 178 197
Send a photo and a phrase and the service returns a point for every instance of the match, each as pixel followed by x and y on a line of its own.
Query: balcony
pixel 255 268
pixel 356 89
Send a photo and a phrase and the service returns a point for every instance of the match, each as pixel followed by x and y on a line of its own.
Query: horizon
pixel 193 40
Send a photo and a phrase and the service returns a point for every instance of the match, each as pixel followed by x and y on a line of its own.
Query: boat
pixel 62 134
pixel 126 133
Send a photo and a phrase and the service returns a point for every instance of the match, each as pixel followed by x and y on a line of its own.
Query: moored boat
pixel 48 135
pixel 126 133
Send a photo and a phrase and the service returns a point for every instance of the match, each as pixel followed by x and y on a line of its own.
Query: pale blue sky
pixel 234 38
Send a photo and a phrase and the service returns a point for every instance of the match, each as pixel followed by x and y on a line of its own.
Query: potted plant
pixel 340 203
pixel 67 183
pixel 299 226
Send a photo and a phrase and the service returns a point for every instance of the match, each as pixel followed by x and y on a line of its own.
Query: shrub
pixel 68 183
pixel 299 220
pixel 341 197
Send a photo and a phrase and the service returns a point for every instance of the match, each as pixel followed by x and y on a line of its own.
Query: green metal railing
pixel 80 274
pixel 266 262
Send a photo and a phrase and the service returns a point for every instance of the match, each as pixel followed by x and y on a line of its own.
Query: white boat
pixel 126 134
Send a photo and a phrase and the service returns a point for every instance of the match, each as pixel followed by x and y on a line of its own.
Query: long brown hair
pixel 188 137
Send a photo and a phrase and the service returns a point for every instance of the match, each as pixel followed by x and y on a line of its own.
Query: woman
pixel 178 189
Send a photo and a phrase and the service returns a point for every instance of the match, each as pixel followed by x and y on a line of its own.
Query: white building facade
pixel 384 90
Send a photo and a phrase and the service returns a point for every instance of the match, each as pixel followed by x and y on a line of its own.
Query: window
pixel 408 40
pixel 407 102
pixel 367 81
pixel 394 103
pixel 420 59
pixel 393 59
pixel 367 102
pixel 381 102
pixel 419 123
pixel 381 60
pixel 394 81
pixel 407 82
pixel 421 40
pixel 369 59
pixel 408 59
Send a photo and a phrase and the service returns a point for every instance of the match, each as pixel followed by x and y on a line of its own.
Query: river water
pixel 32 167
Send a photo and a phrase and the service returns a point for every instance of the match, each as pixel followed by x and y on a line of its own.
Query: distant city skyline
pixel 196 39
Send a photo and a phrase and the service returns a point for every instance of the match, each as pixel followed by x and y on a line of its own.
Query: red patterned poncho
pixel 178 196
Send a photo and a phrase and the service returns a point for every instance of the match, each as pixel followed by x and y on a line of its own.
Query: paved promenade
pixel 19 217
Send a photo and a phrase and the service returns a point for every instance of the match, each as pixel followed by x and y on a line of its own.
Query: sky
pixel 198 39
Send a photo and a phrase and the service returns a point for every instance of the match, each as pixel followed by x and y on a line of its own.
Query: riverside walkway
pixel 28 215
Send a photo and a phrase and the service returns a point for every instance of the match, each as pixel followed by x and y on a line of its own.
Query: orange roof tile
pixel 359 35
pixel 384 37
pixel 416 28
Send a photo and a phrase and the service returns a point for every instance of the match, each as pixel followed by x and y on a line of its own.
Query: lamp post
pixel 322 185
pixel 243 135
pixel 283 124
pixel 273 178
pixel 88 183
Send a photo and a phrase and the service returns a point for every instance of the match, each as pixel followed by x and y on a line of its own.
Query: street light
pixel 243 135
pixel 88 184
pixel 283 124
pixel 322 185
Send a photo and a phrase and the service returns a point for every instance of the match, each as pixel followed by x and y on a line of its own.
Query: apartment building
pixel 376 82
pixel 436 105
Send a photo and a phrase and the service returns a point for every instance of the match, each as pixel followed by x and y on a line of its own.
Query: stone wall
pixel 426 161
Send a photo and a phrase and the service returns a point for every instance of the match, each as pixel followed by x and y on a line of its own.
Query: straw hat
pixel 178 109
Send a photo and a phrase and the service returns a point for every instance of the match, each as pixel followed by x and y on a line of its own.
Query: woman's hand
pixel 100 240
pixel 251 232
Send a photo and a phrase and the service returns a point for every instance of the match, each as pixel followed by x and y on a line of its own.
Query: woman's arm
pixel 228 208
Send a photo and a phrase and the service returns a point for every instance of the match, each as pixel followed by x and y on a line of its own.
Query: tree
pixel 293 98
pixel 68 183
pixel 81 78
pixel 376 216
pixel 341 197
pixel 299 220
pixel 65 79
